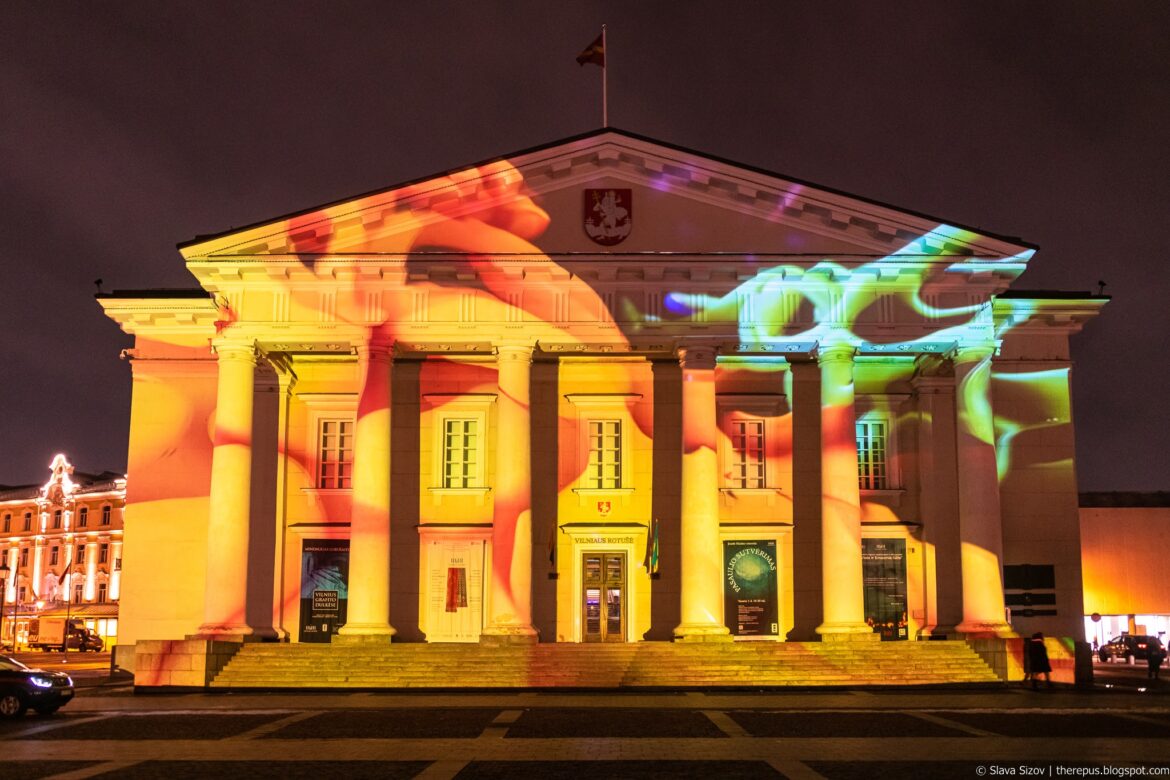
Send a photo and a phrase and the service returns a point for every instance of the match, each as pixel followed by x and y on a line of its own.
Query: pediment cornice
pixel 347 226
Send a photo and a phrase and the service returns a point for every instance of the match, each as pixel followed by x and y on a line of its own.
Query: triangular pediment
pixel 666 201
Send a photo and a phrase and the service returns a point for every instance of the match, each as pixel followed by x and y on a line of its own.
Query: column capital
pixel 514 353
pixel 379 350
pixel 974 353
pixel 235 349
pixel 835 353
pixel 698 356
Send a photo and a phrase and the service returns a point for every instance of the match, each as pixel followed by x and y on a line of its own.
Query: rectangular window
pixel 605 455
pixel 103 553
pixel 83 517
pixel 22 595
pixel 105 515
pixel 24 556
pixel 7 523
pixel 747 454
pixel 335 470
pixel 80 554
pixel 57 518
pixel 54 554
pixel 101 594
pixel 78 591
pixel 460 448
pixel 28 521
pixel 872 468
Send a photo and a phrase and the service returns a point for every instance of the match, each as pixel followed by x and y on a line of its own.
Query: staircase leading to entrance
pixel 642 665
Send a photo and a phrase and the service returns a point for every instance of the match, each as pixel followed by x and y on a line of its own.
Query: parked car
pixel 1127 647
pixel 22 687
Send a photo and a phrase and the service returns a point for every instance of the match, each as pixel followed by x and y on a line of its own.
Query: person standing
pixel 1154 657
pixel 1038 663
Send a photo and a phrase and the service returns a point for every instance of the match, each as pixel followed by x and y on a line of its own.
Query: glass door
pixel 604 592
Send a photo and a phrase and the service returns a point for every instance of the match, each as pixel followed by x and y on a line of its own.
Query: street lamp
pixel 4 570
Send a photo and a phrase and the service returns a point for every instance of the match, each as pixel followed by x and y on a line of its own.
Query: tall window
pixel 28 521
pixel 101 593
pixel 605 454
pixel 460 447
pixel 80 553
pixel 78 591
pixel 83 517
pixel 24 556
pixel 103 553
pixel 57 518
pixel 54 553
pixel 747 454
pixel 872 467
pixel 106 515
pixel 336 455
pixel 7 523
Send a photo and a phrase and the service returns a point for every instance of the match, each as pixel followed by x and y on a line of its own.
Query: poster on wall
pixel 750 604
pixel 883 572
pixel 324 588
pixel 454 591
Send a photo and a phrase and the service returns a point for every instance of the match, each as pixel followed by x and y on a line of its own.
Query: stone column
pixel 286 381
pixel 510 607
pixel 844 596
pixel 115 571
pixel 702 553
pixel 368 616
pixel 980 523
pixel 225 593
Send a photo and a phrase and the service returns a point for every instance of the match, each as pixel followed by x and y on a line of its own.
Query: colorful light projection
pixel 486 225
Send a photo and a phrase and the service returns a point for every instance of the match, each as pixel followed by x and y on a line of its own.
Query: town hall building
pixel 604 391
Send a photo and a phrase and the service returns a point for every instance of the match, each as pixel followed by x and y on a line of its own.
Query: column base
pixel 363 634
pixel 225 633
pixel 989 630
pixel 507 636
pixel 832 632
pixel 702 632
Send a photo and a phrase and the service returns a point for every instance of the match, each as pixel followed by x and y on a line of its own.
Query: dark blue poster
pixel 324 588
pixel 883 573
pixel 750 607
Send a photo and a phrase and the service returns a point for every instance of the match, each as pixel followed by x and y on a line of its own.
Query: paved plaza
pixel 1000 731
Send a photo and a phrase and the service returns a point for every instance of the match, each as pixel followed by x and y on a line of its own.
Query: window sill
pixel 587 495
pixel 440 494
pixel 890 496
pixel 731 495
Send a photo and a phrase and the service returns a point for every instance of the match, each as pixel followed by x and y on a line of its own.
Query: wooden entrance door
pixel 604 594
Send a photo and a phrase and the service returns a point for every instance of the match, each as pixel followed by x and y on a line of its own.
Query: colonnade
pixel 509 614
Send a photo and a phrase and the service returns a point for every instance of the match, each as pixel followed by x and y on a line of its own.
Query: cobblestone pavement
pixel 107 732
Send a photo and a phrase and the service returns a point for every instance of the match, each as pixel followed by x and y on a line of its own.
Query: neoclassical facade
pixel 604 390
pixel 61 544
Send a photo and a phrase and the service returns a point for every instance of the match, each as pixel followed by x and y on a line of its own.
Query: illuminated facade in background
pixel 1125 540
pixel 62 544
pixel 605 390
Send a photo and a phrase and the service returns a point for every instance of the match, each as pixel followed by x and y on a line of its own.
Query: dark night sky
pixel 126 128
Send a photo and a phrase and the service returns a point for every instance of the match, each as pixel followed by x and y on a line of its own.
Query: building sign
pixel 609 215
pixel 749 588
pixel 324 588
pixel 883 572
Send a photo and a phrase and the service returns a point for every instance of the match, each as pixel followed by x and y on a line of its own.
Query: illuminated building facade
pixel 1125 543
pixel 607 390
pixel 62 544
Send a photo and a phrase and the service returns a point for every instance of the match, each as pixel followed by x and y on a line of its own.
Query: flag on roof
pixel 594 52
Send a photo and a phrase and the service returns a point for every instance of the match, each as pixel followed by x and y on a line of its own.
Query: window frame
pixel 442 408
pixel 599 408
pixel 83 517
pixel 884 409
pixel 107 515
pixel 320 453
pixel 318 407
pixel 765 408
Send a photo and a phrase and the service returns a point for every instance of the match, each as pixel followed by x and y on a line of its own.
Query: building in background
pixel 62 545
pixel 1125 549
pixel 605 390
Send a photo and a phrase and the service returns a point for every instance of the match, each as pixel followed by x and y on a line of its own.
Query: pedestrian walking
pixel 1038 664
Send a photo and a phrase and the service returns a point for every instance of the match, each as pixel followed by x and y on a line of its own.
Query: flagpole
pixel 604 80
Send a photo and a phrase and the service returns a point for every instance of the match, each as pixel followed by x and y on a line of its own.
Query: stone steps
pixel 649 665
